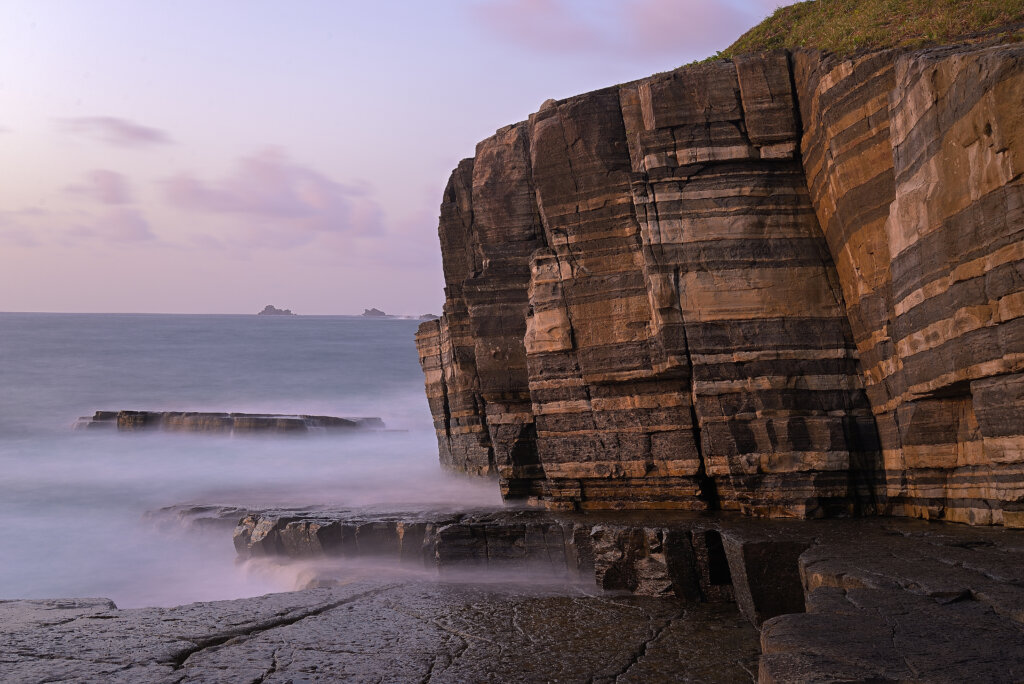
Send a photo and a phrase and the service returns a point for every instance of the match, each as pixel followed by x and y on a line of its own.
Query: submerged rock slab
pixel 222 423
pixel 373 630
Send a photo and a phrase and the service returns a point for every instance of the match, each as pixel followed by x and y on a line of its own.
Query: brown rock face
pixel 785 284
pixel 914 162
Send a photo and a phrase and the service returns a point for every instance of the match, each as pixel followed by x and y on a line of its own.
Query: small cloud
pixel 13 232
pixel 119 224
pixel 5 129
pixel 548 25
pixel 103 186
pixel 282 203
pixel 19 237
pixel 633 28
pixel 34 226
pixel 115 131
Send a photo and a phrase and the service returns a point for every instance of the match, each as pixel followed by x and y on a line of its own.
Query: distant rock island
pixel 429 317
pixel 271 310
pixel 376 313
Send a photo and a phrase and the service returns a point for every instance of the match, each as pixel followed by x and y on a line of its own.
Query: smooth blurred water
pixel 72 502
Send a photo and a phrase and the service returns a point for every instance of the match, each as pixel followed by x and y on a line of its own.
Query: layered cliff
pixel 788 284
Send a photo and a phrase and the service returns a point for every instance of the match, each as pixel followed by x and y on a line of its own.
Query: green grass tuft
pixel 847 26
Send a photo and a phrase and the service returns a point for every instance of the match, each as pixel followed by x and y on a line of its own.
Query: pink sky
pixel 202 157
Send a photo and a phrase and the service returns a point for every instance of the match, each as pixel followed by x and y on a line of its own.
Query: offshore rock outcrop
pixel 222 423
pixel 786 284
pixel 271 310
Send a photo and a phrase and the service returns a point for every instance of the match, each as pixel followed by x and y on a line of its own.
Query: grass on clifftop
pixel 845 26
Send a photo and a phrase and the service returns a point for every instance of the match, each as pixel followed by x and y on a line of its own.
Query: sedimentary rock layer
pixel 915 163
pixel 786 284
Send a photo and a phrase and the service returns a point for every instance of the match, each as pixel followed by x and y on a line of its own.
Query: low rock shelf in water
pixel 223 423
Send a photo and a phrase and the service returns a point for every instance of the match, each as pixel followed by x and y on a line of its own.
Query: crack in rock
pixel 641 651
pixel 179 659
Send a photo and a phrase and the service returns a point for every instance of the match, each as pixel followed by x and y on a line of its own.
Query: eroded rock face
pixel 915 162
pixel 786 284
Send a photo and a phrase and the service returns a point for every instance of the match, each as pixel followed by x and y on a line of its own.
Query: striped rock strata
pixel 785 284
pixel 914 166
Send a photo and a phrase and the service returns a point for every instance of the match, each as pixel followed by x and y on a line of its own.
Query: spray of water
pixel 73 503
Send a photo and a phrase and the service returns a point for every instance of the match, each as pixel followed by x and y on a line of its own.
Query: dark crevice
pixel 446 406
pixel 492 460
pixel 270 670
pixel 797 117
pixel 718 564
pixel 706 483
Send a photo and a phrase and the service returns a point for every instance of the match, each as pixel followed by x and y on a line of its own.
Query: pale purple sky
pixel 214 156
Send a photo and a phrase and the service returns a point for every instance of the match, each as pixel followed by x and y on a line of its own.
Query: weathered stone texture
pixel 380 629
pixel 787 284
pixel 914 164
pixel 446 346
pixel 743 288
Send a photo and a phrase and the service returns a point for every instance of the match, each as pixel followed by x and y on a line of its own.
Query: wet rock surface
pixel 378 631
pixel 532 595
pixel 915 604
pixel 836 600
pixel 222 423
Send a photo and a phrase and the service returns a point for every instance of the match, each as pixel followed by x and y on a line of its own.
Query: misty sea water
pixel 73 503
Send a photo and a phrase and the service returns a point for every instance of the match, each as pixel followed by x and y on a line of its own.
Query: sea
pixel 75 504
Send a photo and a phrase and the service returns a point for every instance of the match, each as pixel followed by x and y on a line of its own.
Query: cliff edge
pixel 787 283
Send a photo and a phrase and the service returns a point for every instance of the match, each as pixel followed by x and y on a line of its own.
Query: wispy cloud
pixel 547 25
pixel 626 27
pixel 34 226
pixel 115 131
pixel 280 202
pixel 13 230
pixel 118 224
pixel 103 186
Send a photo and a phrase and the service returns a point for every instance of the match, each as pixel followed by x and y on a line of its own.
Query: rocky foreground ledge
pixel 376 630
pixel 529 595
pixel 834 600
pixel 222 423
